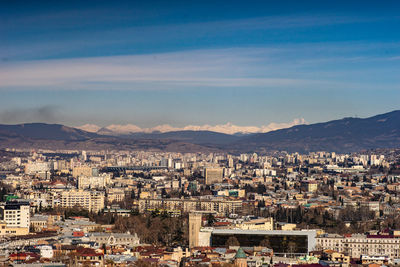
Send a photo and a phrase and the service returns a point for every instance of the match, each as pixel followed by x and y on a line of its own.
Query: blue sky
pixel 181 63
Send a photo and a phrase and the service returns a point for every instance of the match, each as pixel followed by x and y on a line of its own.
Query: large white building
pixel 38 167
pixel 90 200
pixel 360 244
pixel 15 214
pixel 115 239
pixel 97 182
pixel 218 205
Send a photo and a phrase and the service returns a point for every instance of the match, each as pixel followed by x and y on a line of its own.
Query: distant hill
pixel 44 131
pixel 56 136
pixel 345 135
pixel 193 137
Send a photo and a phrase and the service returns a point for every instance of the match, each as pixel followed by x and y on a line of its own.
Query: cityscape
pixel 199 133
pixel 123 208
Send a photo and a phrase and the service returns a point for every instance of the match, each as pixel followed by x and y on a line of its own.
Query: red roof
pixel 78 234
pixel 150 260
pixel 221 223
pixel 307 265
pixel 87 252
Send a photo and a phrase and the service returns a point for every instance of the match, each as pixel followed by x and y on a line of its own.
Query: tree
pixel 232 242
pixel 265 243
pixel 292 247
pixel 261 189
pixel 163 192
pixel 210 219
pixel 133 194
pixel 141 263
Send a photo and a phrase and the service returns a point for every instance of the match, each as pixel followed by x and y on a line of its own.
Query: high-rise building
pixel 230 162
pixel 84 155
pixel 194 228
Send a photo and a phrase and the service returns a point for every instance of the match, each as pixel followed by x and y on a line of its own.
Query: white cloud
pixel 310 67
pixel 227 128
pixel 236 67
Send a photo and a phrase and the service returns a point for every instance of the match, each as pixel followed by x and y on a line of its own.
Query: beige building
pixel 257 224
pixel 90 200
pixel 11 230
pixel 220 206
pixel 115 195
pixel 378 259
pixel 286 226
pixel 309 185
pixel 39 222
pixel 38 167
pixel 84 170
pixel 359 244
pixel 194 228
pixel 337 257
pixel 232 193
pixel 97 182
pixel 15 214
pixel 213 175
pixel 113 239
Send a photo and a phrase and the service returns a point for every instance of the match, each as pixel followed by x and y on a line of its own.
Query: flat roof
pixel 265 232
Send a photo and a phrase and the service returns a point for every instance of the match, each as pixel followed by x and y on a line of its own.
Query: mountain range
pixel 227 128
pixel 343 135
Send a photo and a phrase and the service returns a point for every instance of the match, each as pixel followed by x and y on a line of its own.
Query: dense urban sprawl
pixel 124 208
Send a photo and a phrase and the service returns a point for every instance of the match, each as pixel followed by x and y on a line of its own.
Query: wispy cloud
pixel 83 38
pixel 234 68
pixel 206 68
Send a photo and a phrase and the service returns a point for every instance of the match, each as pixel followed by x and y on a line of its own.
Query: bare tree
pixel 232 241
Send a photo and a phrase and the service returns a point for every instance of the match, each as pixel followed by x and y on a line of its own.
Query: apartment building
pixel 15 213
pixel 359 244
pixel 92 182
pixel 92 201
pixel 213 175
pixel 257 224
pixel 115 238
pixel 115 194
pixel 11 230
pixel 186 205
pixel 85 171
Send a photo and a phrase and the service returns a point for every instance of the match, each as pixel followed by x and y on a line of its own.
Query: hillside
pixel 344 135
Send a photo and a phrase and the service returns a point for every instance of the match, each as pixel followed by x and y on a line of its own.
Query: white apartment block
pixel 36 167
pixel 92 201
pixel 97 182
pixel 115 194
pixel 187 205
pixel 15 214
pixel 115 238
pixel 359 244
